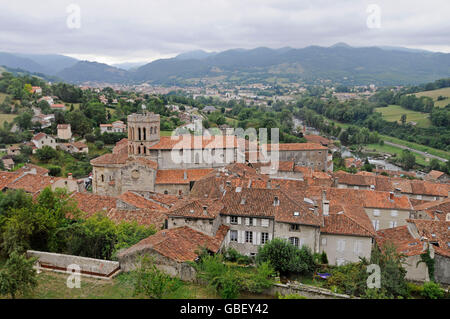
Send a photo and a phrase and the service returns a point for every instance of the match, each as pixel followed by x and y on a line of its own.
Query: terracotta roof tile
pixel 139 201
pixel 179 244
pixel 180 176
pixel 93 203
pixel 296 147
pixel 141 216
pixel 196 208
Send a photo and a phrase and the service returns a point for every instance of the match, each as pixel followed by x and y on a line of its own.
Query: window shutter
pixel 240 241
pixel 247 221
pixel 239 220
pixel 258 238
pixel 270 236
pixel 300 244
pixel 255 242
pixel 228 237
pixel 228 219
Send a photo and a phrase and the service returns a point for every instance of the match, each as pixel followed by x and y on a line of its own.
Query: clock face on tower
pixel 135 174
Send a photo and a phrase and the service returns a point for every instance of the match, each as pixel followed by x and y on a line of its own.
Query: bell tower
pixel 143 132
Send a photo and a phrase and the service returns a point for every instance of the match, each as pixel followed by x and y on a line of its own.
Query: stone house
pixel 74 147
pixel 346 235
pixel 437 176
pixel 64 131
pixel 171 249
pixel 178 181
pixel 13 150
pixel 114 127
pixel 41 139
pixel 302 154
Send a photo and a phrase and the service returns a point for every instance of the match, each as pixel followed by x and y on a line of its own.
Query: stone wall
pixel 442 269
pixel 89 266
pixel 305 290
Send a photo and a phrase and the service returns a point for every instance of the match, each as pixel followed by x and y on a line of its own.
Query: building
pixel 64 131
pixel 437 176
pixel 41 139
pixel 172 249
pixel 45 120
pixel 302 154
pixel 13 150
pixel 115 127
pixel 74 147
pixel 58 107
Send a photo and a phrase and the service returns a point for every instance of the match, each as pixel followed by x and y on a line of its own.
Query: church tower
pixel 143 132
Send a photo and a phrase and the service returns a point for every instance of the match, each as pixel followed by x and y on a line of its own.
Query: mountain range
pixel 339 63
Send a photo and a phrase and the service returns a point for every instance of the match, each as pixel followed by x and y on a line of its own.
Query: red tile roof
pixel 196 208
pixel 139 201
pixel 32 183
pixel 348 220
pixel 195 142
pixel 31 167
pixel 177 176
pixel 93 203
pixel 179 244
pixel 141 216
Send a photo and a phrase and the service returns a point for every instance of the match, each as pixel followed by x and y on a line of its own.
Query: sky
pixel 145 30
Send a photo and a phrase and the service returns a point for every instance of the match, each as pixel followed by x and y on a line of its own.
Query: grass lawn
pixel 53 285
pixel 393 150
pixel 2 97
pixel 434 95
pixel 393 113
pixel 165 133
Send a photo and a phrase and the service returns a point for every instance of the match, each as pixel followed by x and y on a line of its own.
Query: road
pixel 415 151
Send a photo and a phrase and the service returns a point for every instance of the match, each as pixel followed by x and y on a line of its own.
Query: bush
pixel 99 144
pixel 46 153
pixel 432 290
pixel 286 258
pixel 17 276
pixel 54 170
pixel 152 282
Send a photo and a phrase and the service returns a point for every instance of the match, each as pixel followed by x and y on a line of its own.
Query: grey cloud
pixel 137 29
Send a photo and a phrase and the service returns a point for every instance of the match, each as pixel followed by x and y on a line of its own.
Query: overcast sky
pixel 144 30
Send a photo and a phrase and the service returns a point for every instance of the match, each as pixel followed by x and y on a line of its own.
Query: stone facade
pixel 143 132
pixel 341 249
pixel 388 218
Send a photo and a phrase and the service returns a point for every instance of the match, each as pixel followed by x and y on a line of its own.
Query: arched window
pixel 144 150
pixel 166 192
pixel 139 133
pixel 144 133
pixel 151 130
pixel 156 130
pixel 103 178
pixel 139 150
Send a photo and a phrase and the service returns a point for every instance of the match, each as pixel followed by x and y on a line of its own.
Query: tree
pixel 403 119
pixel 408 159
pixel 24 120
pixel 17 276
pixel 47 153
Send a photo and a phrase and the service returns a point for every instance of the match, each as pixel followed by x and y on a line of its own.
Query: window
pixel 294 241
pixel 234 235
pixel 249 237
pixel 166 192
pixel 358 247
pixel 103 178
pixel 394 213
pixel 233 220
pixel 250 221
pixel 294 227
pixel 264 222
pixel 376 224
pixel 324 241
pixel 392 224
pixel 264 238
pixel 376 212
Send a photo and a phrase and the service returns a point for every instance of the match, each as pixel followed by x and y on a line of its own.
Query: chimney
pixel 69 175
pixel 205 211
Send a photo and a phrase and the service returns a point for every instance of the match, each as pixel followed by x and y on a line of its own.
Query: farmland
pixel 434 94
pixel 393 113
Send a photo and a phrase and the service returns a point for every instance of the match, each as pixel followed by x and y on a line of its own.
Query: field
pixel 6 118
pixel 434 95
pixel 393 150
pixel 393 113
pixel 53 286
